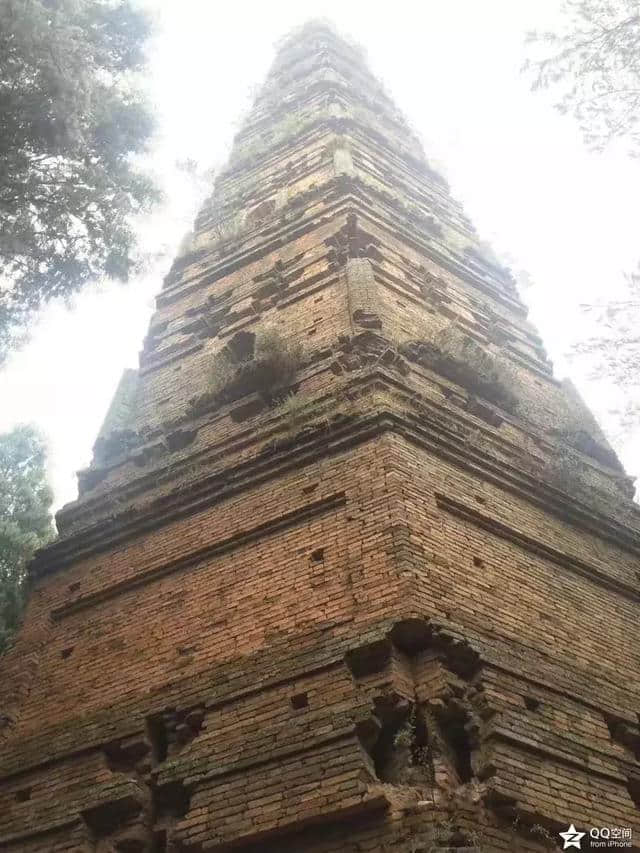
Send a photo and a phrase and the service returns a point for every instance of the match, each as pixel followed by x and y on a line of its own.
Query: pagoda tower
pixel 351 570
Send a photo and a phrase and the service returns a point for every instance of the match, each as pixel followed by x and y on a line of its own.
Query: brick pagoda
pixel 351 570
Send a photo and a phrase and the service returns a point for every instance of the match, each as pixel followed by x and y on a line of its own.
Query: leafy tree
pixel 614 350
pixel 72 120
pixel 594 69
pixel 594 66
pixel 25 521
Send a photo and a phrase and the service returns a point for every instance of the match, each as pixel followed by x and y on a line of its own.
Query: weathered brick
pixel 387 619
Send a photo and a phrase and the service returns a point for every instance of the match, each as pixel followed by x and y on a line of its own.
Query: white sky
pixel 567 217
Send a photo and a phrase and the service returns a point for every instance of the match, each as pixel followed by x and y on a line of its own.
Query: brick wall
pixel 388 604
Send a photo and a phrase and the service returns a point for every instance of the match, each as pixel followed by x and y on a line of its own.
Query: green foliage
pixel 419 220
pixel 466 361
pixel 222 371
pixel 265 364
pixel 294 410
pixel 412 736
pixel 71 119
pixel 299 412
pixel 25 522
pixel 223 231
pixel 456 355
pixel 594 67
pixel 581 439
pixel 616 345
pixel 114 444
pixel 338 142
pixel 569 474
pixel 287 129
pixel 196 245
pixel 613 350
pixel 543 834
pixel 564 472
pixel 280 355
pixel 403 738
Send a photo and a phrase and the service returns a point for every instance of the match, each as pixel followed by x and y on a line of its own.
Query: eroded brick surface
pixel 390 604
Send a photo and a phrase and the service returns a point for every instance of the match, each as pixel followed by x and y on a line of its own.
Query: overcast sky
pixel 566 218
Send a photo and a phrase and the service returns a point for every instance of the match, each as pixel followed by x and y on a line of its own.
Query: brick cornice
pixel 238 540
pixel 307 448
pixel 504 531
pixel 200 688
pixel 351 198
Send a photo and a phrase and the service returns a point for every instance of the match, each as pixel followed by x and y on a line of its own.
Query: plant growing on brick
pixel 292 125
pixel 570 475
pixel 580 437
pixel 222 372
pixel 294 410
pixel 402 752
pixel 434 838
pixel 228 229
pixel 542 833
pixel 476 367
pixel 458 357
pixel 117 443
pixel 279 357
pixel 264 363
pixel 194 246
pixel 300 413
pixel 338 142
